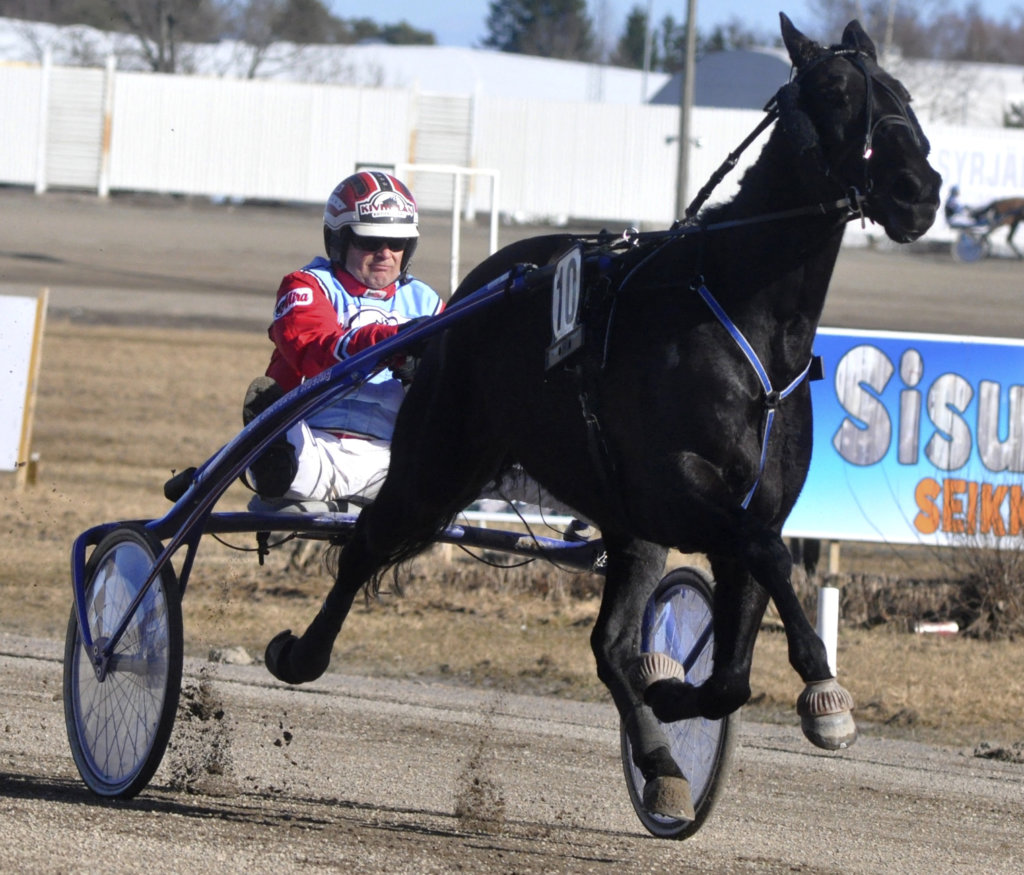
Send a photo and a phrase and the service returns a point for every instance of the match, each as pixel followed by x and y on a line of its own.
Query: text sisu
pixel 866 434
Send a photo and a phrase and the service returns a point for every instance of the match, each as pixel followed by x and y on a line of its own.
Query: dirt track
pixel 359 775
pixel 353 773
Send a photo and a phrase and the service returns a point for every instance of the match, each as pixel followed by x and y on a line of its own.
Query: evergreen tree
pixel 630 50
pixel 547 28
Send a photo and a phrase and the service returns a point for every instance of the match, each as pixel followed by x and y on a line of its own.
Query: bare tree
pixel 944 91
pixel 254 24
pixel 77 45
pixel 161 28
pixel 927 28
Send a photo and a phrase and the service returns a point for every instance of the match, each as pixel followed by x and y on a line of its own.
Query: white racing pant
pixel 332 468
pixel 353 469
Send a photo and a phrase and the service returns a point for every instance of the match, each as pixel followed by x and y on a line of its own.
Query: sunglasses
pixel 375 244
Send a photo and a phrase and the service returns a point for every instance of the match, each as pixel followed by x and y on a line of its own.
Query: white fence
pixel 106 130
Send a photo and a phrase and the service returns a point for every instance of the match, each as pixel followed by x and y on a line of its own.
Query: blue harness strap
pixel 772 397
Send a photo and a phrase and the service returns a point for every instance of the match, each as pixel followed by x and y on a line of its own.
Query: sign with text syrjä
pixel 918 438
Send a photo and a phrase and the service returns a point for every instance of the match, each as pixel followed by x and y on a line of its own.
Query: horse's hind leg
pixel 298 659
pixel 634 568
pixel 428 482
pixel 401 522
pixel 1009 238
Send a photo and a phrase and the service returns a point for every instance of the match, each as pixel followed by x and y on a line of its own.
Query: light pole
pixel 686 108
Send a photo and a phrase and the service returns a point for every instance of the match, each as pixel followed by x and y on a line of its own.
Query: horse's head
pixel 856 118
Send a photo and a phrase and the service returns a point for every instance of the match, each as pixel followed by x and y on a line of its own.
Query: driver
pixel 333 308
pixel 330 309
pixel 958 215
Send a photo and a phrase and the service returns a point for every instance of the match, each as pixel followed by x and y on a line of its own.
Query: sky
pixel 462 22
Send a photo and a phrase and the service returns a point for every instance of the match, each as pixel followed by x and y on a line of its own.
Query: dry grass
pixel 119 409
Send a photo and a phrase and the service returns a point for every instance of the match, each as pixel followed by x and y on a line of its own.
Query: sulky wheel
pixel 119 724
pixel 677 622
pixel 968 248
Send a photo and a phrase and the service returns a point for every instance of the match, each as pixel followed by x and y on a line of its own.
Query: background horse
pixel 695 340
pixel 1003 213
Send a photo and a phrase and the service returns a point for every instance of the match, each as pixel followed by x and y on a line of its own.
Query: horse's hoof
pixel 296 660
pixel 669 797
pixel 276 655
pixel 825 715
pixel 278 658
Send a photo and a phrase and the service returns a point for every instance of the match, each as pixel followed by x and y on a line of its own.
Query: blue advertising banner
pixel 918 438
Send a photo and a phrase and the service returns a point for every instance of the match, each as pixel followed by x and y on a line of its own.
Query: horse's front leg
pixel 825 708
pixel 634 569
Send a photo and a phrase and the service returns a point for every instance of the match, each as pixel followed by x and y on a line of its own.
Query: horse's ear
pixel 795 122
pixel 801 49
pixel 854 37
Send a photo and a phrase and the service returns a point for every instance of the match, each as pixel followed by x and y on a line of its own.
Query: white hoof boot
pixel 669 797
pixel 825 715
pixel 650 668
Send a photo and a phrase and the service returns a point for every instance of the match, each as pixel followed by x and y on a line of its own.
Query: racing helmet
pixel 370 203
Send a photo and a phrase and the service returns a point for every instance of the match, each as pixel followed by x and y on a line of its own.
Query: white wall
pixel 20 110
pixel 292 142
pixel 257 140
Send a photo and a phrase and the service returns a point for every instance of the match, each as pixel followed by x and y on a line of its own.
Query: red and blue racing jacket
pixel 323 316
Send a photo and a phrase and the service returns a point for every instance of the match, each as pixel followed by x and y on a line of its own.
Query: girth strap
pixel 771 396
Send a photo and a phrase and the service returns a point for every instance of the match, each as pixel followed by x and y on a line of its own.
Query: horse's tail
pixel 400 555
pixel 413 534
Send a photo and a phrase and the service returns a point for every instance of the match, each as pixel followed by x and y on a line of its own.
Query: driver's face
pixel 376 267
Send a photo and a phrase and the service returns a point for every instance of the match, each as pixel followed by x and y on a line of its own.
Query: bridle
pixel 872 124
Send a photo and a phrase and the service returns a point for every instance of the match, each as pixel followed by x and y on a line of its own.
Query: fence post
pixel 828 622
pixel 103 188
pixel 44 120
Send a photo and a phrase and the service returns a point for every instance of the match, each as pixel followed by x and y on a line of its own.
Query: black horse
pixel 656 428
